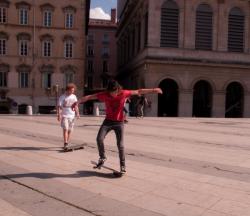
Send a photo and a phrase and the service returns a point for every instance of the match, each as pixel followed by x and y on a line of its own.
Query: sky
pixel 100 9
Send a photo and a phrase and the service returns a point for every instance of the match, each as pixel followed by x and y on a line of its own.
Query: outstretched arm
pixel 83 99
pixel 146 91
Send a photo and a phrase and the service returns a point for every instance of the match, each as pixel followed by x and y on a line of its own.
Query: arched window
pixel 169 24
pixel 236 30
pixel 204 27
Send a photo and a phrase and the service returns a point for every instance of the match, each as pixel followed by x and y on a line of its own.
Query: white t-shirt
pixel 65 102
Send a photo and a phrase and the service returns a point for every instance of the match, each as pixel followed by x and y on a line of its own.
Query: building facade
pixel 101 54
pixel 42 47
pixel 197 51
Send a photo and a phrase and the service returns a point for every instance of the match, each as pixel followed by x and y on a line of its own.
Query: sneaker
pixel 123 169
pixel 101 161
pixel 65 146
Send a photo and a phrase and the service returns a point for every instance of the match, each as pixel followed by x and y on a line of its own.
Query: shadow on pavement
pixel 18 148
pixel 78 174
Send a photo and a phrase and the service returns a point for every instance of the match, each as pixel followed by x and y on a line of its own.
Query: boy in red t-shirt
pixel 114 98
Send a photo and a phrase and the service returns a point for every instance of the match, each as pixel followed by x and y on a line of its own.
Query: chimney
pixel 113 15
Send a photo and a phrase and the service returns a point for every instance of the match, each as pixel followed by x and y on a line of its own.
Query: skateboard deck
pixel 115 172
pixel 74 147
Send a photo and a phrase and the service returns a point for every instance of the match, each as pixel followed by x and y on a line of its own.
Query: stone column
pixel 185 105
pixel 246 111
pixel 219 104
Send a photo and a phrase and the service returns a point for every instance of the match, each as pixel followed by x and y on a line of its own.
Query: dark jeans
pixel 118 128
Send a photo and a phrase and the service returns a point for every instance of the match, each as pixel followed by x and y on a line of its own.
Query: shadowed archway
pixel 168 101
pixel 202 99
pixel 234 100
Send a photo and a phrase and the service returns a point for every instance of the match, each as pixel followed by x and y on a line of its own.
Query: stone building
pixel 42 47
pixel 101 54
pixel 197 51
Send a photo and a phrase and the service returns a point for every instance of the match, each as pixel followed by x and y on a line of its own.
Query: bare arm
pixel 146 91
pixel 87 98
pixel 58 112
pixel 77 112
pixel 82 100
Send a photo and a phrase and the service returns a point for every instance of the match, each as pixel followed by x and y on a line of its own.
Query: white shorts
pixel 67 123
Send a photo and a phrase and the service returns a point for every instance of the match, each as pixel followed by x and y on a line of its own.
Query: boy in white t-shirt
pixel 64 112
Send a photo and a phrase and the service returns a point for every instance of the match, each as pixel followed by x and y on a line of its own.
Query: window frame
pixel 23 16
pixel 47 18
pixel 3 15
pixel 3 46
pixel 68 49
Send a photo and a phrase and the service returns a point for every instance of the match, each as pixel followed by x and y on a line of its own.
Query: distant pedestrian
pixel 125 110
pixel 142 101
pixel 114 98
pixel 65 114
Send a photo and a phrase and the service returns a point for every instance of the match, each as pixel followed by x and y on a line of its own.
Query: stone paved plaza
pixel 175 167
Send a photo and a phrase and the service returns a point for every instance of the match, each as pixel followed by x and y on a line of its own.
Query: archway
pixel 234 100
pixel 202 99
pixel 168 101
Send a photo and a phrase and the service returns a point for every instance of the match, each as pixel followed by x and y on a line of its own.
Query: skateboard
pixel 115 172
pixel 73 147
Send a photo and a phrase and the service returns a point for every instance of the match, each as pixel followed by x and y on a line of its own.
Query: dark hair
pixel 113 85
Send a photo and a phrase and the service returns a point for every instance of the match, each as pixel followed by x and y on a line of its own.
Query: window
pixel 3 15
pixel 24 79
pixel 105 38
pixel 104 82
pixel 90 51
pixel 47 79
pixel 23 16
pixel 47 48
pixel 69 18
pixel 90 82
pixel 23 41
pixel 3 79
pixel 68 77
pixel 170 24
pixel 90 38
pixel 90 66
pixel 47 18
pixel 68 49
pixel 105 67
pixel 23 47
pixel 204 27
pixel 236 30
pixel 146 30
pixel 138 37
pixel 2 46
pixel 105 51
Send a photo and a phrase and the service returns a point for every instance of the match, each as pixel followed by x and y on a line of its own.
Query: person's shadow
pixel 29 148
pixel 78 174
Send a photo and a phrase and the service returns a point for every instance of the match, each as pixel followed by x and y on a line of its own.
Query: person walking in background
pixel 65 114
pixel 114 98
pixel 126 112
pixel 142 101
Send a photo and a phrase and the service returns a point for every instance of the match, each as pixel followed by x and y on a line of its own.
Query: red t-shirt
pixel 114 105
